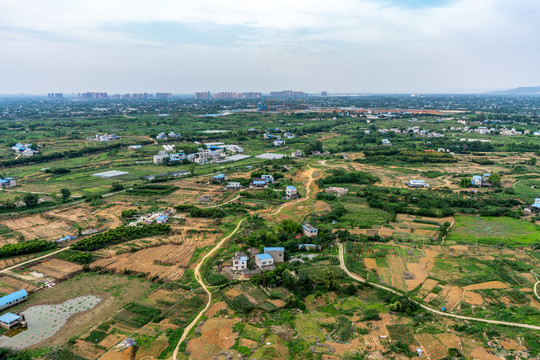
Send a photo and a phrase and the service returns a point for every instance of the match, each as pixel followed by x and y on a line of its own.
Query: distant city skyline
pixel 341 46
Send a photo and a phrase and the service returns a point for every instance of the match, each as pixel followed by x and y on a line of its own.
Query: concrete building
pixel 203 95
pixel 417 183
pixel 277 253
pixel 219 178
pixel 240 260
pixel 13 299
pixel 10 320
pixel 162 219
pixel 268 178
pixel 234 185
pixel 291 192
pixel 264 261
pixel 8 183
pixel 309 247
pixel 296 154
pixel 309 230
pixel 259 183
pixel 335 190
pixel 159 158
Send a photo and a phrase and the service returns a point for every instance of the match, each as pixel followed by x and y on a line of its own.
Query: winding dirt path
pixel 425 307
pixel 536 284
pixel 308 194
pixel 200 281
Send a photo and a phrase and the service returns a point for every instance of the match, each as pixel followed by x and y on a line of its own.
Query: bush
pixel 78 257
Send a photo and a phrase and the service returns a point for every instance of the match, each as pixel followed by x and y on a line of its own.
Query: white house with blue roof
pixel 291 192
pixel 240 261
pixel 13 299
pixel 277 253
pixel 9 320
pixel 8 182
pixel 264 261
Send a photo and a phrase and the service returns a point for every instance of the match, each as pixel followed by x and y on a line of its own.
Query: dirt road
pixel 536 284
pixel 311 171
pixel 200 281
pixel 360 279
pixel 32 260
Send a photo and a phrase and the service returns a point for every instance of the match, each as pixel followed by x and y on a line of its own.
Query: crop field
pixel 434 348
pixel 244 296
pixel 37 226
pixel 494 230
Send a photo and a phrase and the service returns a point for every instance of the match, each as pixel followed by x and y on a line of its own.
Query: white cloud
pixel 433 47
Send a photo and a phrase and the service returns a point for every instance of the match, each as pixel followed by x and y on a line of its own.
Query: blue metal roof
pixel 259 182
pixel 161 217
pixel 12 297
pixel 274 249
pixel 291 187
pixel 9 317
pixel 477 177
pixel 264 256
pixel 243 258
pixel 4 181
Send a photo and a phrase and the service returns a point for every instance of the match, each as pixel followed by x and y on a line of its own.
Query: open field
pixel 493 230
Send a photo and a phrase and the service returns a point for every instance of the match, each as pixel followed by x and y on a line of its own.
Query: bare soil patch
pixel 215 332
pixel 473 298
pixel 479 353
pixel 215 308
pixel 15 284
pixel 435 349
pixel 487 285
pixel 153 350
pixel 57 268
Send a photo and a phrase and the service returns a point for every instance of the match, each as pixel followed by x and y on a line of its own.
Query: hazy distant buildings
pixel 202 95
pixel 55 96
pixel 287 94
pixel 163 96
pixel 324 93
pixel 93 96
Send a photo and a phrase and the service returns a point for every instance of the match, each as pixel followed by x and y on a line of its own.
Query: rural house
pixel 9 320
pixel 481 181
pixel 268 178
pixel 277 253
pixel 291 192
pixel 8 183
pixel 233 185
pixel 417 184
pixel 240 260
pixel 259 183
pixel 309 230
pixel 264 261
pixel 219 178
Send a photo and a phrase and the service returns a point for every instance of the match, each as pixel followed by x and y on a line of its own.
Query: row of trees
pixel 27 247
pixel 120 234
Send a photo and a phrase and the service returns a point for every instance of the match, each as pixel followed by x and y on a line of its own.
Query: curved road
pixel 359 279
pixel 536 284
pixel 200 281
pixel 308 192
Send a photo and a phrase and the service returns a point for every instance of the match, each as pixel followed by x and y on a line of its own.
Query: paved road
pixel 360 279
pixel 200 281
pixel 32 260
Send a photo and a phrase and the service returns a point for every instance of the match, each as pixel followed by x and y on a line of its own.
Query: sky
pixel 339 46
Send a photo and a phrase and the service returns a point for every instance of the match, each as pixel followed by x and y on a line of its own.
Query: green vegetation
pixel 27 247
pixel 494 230
pixel 79 257
pixel 120 234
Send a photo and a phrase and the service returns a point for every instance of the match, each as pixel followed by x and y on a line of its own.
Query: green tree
pixel 192 169
pixel 495 180
pixel 465 182
pixel 291 226
pixel 30 200
pixel 328 279
pixel 65 194
pixel 531 161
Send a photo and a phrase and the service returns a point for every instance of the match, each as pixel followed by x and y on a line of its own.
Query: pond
pixel 44 321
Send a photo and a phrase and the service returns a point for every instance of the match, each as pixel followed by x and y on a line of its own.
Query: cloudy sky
pixel 353 46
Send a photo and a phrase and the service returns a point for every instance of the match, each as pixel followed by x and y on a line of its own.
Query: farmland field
pixel 491 230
